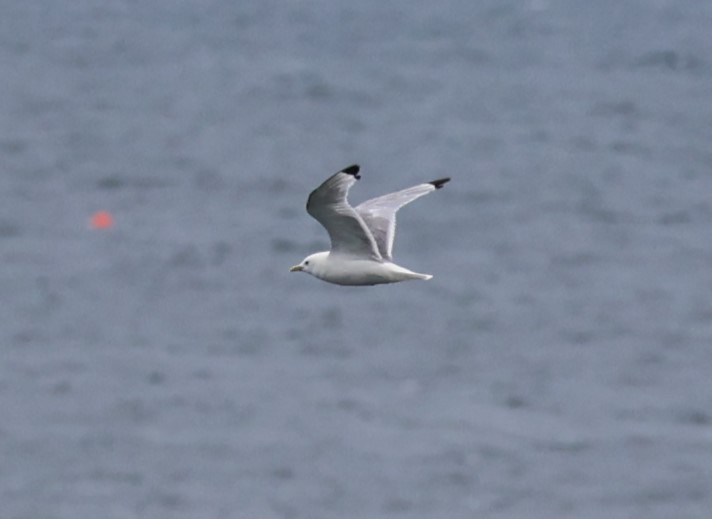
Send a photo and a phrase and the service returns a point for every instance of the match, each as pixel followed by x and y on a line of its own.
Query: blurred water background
pixel 558 364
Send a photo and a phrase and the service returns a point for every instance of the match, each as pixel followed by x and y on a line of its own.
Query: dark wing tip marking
pixel 440 182
pixel 352 170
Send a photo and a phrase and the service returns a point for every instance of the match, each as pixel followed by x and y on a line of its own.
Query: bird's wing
pixel 347 230
pixel 379 213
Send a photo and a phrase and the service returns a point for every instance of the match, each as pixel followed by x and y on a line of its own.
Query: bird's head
pixel 311 264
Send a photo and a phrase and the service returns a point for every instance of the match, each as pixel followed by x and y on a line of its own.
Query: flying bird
pixel 362 236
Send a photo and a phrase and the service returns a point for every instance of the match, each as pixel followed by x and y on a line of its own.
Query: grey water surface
pixel 559 364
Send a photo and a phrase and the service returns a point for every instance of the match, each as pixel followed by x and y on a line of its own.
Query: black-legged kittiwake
pixel 362 236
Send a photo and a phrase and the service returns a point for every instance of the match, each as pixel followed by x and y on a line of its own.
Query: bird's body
pixel 344 270
pixel 361 237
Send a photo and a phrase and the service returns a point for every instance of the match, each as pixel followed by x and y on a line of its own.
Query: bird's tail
pixel 403 274
pixel 418 275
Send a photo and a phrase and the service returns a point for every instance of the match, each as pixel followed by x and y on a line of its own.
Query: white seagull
pixel 361 237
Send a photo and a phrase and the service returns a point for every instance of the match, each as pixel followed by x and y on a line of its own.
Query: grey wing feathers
pixel 347 230
pixel 379 213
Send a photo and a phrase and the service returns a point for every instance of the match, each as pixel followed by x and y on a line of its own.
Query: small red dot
pixel 102 220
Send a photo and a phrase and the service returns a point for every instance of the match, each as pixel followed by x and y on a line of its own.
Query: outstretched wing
pixel 379 213
pixel 347 230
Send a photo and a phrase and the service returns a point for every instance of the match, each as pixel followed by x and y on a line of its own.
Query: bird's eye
pixel 306 263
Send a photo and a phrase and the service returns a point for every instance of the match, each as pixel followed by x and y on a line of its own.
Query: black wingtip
pixel 440 182
pixel 352 170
